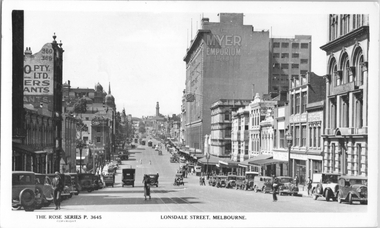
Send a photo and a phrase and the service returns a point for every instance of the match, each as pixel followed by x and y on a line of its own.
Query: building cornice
pixel 349 37
pixel 194 44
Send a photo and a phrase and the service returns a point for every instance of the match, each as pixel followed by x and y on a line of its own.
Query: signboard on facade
pixel 223 46
pixel 39 77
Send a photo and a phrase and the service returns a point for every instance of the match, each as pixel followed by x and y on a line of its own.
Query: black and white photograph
pixel 189 114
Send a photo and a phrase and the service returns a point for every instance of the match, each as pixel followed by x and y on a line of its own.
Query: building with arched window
pixel 346 114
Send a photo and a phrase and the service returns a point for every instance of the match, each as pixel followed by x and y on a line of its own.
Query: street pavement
pixel 188 198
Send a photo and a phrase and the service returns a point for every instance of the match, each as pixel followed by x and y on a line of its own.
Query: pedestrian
pixel 150 162
pixel 309 182
pixel 140 161
pixel 203 181
pixel 192 171
pixel 157 177
pixel 274 188
pixel 296 180
pixel 58 188
pixel 146 182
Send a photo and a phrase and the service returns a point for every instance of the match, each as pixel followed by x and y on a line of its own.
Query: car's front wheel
pixel 327 196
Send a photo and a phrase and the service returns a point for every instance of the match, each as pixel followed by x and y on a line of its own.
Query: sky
pixel 139 50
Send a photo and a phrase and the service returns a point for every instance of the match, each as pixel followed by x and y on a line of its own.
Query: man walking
pixel 57 187
pixel 274 188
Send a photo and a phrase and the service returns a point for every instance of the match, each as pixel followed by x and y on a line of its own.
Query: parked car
pixel 98 183
pixel 44 184
pixel 240 182
pixel 352 189
pixel 263 184
pixel 86 182
pixel 212 181
pixel 249 179
pixel 68 187
pixel 66 191
pixel 287 186
pixel 221 181
pixel 231 181
pixel 75 183
pixel 325 185
pixel 109 179
pixel 23 190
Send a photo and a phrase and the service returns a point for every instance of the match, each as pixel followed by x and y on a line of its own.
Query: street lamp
pixel 289 139
pixel 207 157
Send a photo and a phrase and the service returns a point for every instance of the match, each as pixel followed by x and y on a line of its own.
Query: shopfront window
pixel 300 171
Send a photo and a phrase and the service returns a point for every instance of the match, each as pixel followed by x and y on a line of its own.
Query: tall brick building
pixel 224 60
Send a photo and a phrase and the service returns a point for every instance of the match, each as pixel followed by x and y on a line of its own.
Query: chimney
pixel 205 19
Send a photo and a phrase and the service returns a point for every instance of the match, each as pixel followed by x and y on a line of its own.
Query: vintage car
pixel 118 159
pixel 75 183
pixel 68 187
pixel 128 177
pixel 66 191
pixel 98 183
pixel 263 184
pixel 325 185
pixel 153 179
pixel 123 157
pixel 221 181
pixel 86 182
pixel 109 179
pixel 352 189
pixel 287 186
pixel 44 183
pixel 240 182
pixel 178 179
pixel 24 191
pixel 212 181
pixel 231 181
pixel 249 179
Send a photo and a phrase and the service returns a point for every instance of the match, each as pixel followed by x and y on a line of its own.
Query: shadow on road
pixel 134 152
pixel 119 200
pixel 127 192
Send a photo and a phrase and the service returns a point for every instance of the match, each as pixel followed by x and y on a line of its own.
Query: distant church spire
pixel 157 109
pixel 109 88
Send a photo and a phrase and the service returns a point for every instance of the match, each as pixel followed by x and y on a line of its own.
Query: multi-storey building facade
pixel 240 134
pixel 257 112
pixel 35 153
pixel 289 57
pixel 346 129
pixel 69 134
pixel 304 90
pixel 221 115
pixel 224 60
pixel 280 144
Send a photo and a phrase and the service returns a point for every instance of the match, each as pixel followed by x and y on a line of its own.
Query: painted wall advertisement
pixel 39 77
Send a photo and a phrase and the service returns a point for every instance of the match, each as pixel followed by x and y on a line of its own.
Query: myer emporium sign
pixel 223 45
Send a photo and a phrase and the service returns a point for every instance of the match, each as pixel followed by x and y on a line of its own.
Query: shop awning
pixel 245 163
pixel 228 162
pixel 212 161
pixel 267 162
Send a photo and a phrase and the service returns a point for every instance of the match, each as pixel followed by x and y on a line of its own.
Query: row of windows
pixel 343 120
pixel 298 105
pixel 344 23
pixel 286 66
pixel 286 55
pixel 294 45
